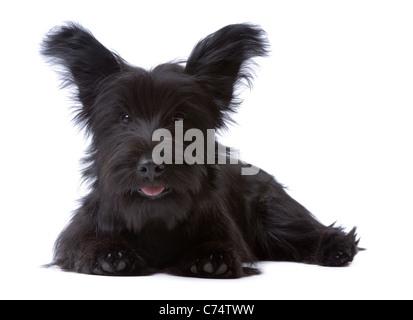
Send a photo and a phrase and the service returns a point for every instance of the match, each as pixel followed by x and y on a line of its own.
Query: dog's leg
pixel 111 256
pixel 290 232
pixel 218 249
pixel 210 260
pixel 82 247
pixel 103 255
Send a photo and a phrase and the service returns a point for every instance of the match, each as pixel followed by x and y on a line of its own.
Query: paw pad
pixel 114 263
pixel 214 266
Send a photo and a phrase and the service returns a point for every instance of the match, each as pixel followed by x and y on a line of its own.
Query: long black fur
pixel 212 221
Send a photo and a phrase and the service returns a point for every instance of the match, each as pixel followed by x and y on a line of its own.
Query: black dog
pixel 202 219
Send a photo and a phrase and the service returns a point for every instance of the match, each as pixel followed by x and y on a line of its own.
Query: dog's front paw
pixel 115 262
pixel 111 261
pixel 216 265
pixel 339 249
pixel 210 262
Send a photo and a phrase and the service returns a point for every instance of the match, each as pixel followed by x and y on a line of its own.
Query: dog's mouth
pixel 154 192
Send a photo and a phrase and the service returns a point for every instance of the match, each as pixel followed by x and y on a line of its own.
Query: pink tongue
pixel 153 191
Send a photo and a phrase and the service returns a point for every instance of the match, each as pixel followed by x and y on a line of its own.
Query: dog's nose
pixel 149 169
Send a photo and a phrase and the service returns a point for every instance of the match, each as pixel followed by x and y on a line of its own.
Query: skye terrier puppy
pixel 165 196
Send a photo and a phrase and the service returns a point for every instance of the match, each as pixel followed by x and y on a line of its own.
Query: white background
pixel 330 116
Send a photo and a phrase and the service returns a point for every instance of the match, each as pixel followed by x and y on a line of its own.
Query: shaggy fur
pixel 201 220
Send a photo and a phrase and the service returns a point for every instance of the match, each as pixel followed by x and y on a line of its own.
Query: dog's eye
pixel 179 116
pixel 125 119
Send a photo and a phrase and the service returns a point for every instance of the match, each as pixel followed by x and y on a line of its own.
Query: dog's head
pixel 121 106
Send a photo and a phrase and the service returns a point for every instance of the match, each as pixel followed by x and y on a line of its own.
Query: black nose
pixel 149 169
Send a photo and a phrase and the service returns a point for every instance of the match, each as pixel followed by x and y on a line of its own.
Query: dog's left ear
pixel 220 61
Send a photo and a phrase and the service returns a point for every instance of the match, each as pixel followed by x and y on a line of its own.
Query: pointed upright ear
pixel 220 61
pixel 85 60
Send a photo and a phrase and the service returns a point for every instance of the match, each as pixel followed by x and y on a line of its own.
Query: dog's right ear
pixel 85 60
